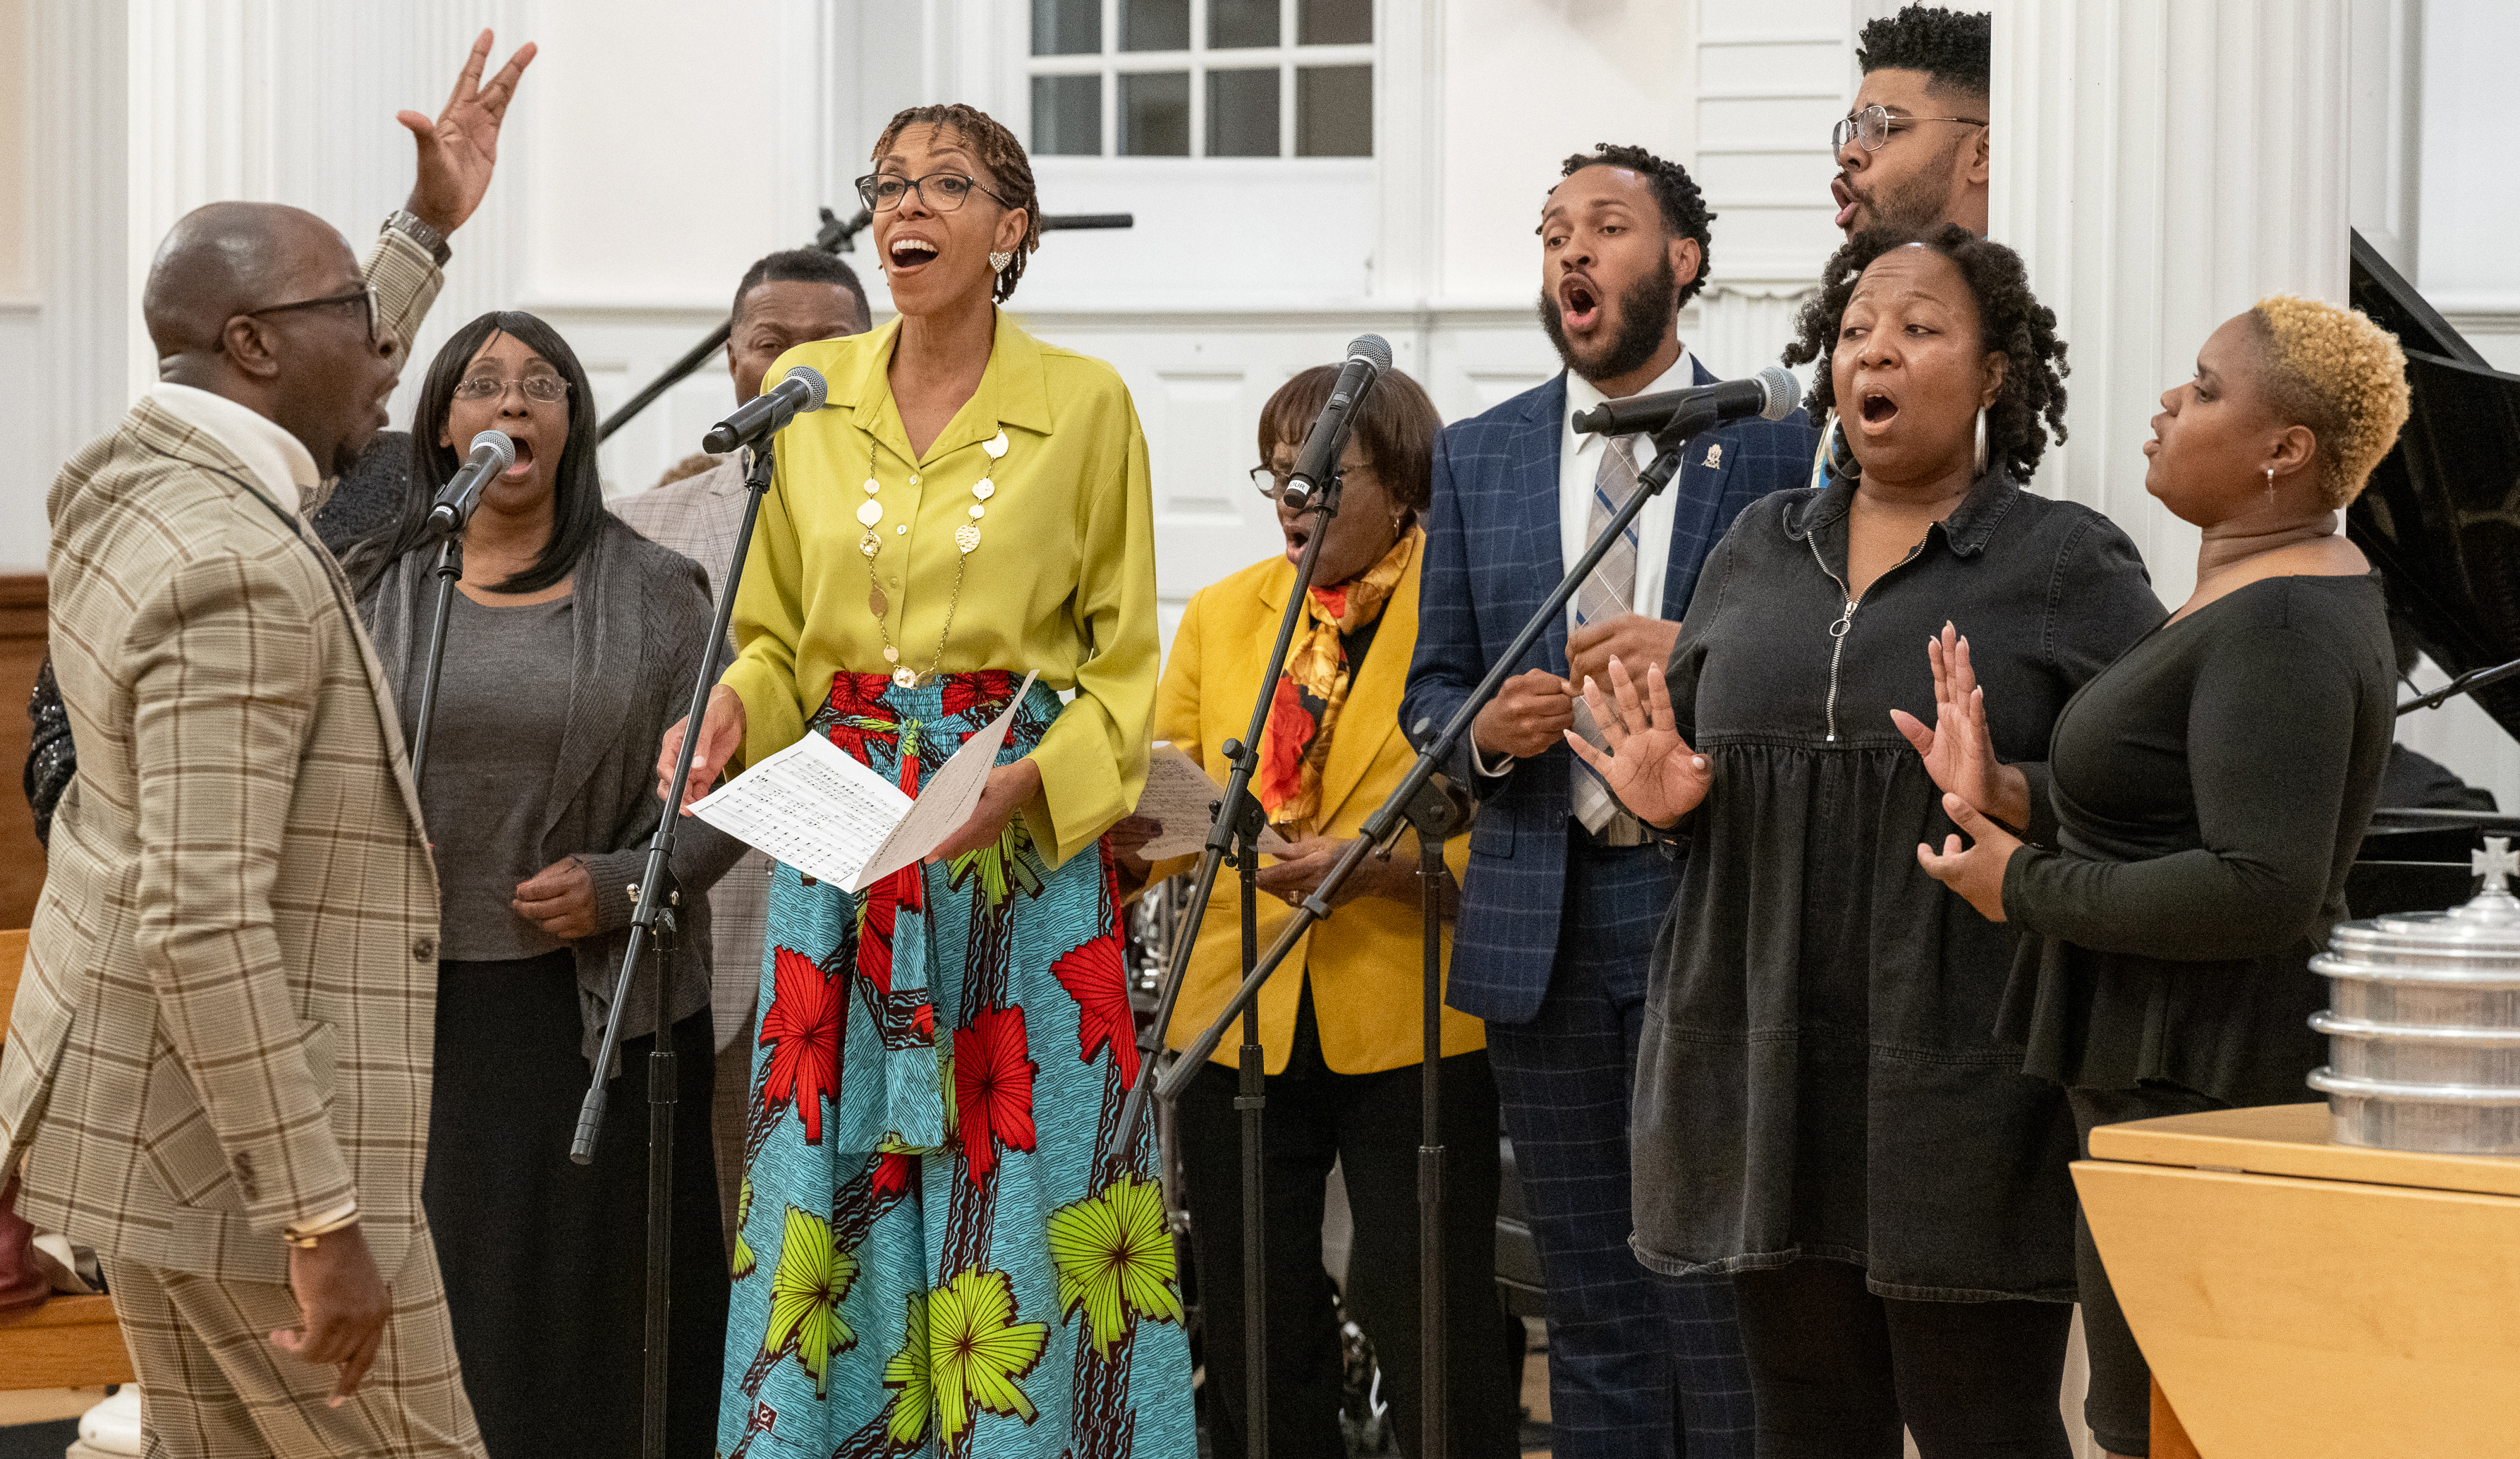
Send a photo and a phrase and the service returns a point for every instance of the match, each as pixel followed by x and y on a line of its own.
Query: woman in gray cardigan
pixel 573 643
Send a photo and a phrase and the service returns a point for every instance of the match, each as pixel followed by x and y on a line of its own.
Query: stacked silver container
pixel 2423 1032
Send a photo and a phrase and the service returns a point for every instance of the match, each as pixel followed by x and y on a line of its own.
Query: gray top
pixel 501 707
pixel 640 629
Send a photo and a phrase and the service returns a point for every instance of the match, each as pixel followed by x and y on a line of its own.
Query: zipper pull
pixel 1845 621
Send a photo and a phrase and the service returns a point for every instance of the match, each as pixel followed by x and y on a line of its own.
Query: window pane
pixel 1243 112
pixel 1155 115
pixel 1335 22
pixel 1334 111
pixel 1067 115
pixel 1235 23
pixel 1155 26
pixel 1066 27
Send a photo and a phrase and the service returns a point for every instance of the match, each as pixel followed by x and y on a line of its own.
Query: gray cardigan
pixel 641 620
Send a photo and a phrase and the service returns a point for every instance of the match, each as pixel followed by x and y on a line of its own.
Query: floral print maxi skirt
pixel 940 1252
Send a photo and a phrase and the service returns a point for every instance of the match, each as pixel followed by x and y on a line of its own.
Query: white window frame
pixel 1111 64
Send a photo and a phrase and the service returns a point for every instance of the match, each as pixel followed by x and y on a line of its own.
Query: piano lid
pixel 2440 517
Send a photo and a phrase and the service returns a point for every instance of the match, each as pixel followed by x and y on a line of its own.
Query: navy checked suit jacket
pixel 1492 555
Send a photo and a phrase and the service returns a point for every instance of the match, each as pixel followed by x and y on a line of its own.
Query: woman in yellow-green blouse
pixel 939 1252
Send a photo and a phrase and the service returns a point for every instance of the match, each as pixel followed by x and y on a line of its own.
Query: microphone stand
pixel 1233 834
pixel 654 920
pixel 450 567
pixel 2468 683
pixel 1415 801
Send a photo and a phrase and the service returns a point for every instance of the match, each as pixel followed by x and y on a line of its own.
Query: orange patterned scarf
pixel 1305 711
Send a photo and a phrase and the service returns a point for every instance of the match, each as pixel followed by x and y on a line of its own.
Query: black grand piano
pixel 2441 520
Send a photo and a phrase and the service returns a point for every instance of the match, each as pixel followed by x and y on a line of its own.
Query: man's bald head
pixel 232 259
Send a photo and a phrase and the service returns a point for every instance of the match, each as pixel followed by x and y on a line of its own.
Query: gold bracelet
pixel 306 1238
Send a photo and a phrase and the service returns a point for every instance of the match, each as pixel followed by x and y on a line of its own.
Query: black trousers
pixel 1837 1370
pixel 1368 1125
pixel 2118 1408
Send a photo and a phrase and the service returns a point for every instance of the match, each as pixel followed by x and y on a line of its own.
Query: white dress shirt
pixel 278 459
pixel 1579 460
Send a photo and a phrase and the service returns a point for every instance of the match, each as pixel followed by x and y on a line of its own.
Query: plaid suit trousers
pixel 1640 1366
pixel 213 1387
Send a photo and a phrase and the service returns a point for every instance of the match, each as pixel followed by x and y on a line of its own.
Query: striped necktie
pixel 1606 592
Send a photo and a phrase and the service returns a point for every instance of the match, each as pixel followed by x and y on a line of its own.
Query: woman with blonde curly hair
pixel 2210 788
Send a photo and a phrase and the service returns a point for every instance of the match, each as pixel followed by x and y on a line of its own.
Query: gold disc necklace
pixel 966 537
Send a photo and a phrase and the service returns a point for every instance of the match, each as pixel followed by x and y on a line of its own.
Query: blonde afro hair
pixel 2337 373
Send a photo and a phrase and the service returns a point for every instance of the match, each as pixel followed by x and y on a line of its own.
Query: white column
pixel 2162 164
pixel 79 130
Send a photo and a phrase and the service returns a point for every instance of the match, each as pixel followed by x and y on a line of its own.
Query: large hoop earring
pixel 1840 456
pixel 1981 440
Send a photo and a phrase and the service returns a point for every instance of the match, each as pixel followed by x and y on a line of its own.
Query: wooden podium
pixel 2306 1299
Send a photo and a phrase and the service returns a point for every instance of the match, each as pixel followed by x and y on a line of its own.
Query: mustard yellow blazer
pixel 1365 960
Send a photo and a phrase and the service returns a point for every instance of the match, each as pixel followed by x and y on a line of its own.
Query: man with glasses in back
pixel 1912 151
pixel 218 1072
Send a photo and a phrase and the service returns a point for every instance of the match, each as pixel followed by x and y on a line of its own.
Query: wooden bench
pixel 68 1342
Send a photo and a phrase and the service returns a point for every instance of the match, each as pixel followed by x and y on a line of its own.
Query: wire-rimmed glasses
pixel 1871 127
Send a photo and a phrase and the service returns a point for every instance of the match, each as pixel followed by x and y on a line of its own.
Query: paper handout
pixel 815 808
pixel 1177 796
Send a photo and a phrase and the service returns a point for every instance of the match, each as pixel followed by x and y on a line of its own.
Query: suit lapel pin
pixel 1714 457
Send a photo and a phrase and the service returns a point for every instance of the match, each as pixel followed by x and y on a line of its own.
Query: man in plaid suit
pixel 218 1072
pixel 1565 890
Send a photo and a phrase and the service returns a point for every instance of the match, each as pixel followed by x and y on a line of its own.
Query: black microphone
pixel 492 453
pixel 800 392
pixel 1771 394
pixel 1367 359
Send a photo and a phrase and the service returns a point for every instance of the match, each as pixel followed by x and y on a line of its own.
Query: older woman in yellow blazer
pixel 1341 1025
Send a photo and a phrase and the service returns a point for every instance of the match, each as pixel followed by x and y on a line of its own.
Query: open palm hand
pixel 1959 751
pixel 1645 762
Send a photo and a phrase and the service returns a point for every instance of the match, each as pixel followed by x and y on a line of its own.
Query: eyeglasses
pixel 365 296
pixel 549 390
pixel 883 192
pixel 1269 480
pixel 1871 129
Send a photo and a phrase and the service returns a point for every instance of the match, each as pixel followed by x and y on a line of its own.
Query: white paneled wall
pixel 659 147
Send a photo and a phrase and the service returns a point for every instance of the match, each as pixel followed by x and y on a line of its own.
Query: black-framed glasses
pixel 548 389
pixel 942 192
pixel 365 296
pixel 1871 129
pixel 1269 480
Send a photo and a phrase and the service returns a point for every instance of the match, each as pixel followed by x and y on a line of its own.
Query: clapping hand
pixel 1959 752
pixel 459 146
pixel 1977 873
pixel 1647 765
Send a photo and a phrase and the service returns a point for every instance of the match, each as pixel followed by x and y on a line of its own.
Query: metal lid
pixel 2475 942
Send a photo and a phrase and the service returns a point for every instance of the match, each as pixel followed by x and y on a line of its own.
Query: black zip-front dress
pixel 1820 1075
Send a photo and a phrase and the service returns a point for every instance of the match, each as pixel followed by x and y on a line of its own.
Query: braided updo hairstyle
pixel 1000 155
pixel 2030 407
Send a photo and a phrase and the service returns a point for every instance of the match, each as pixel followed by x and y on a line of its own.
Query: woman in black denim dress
pixel 1821 1106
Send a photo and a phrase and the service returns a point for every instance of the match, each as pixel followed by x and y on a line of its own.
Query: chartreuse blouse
pixel 1063 580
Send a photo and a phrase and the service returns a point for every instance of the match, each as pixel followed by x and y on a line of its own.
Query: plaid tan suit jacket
pixel 228 1011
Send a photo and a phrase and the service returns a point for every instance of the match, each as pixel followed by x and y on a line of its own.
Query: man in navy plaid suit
pixel 1565 890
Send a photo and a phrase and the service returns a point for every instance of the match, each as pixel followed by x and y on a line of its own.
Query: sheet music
pixel 815 808
pixel 1177 796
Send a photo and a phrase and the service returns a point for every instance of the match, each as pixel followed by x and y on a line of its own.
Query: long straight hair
pixel 577 492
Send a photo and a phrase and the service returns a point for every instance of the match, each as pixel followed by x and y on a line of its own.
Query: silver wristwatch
pixel 409 225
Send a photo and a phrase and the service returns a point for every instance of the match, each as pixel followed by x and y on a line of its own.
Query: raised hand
pixel 460 146
pixel 1959 752
pixel 1977 872
pixel 1647 765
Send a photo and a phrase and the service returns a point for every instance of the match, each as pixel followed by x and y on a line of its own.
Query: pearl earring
pixel 997 261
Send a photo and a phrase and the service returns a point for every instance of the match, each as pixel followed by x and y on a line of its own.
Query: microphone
pixel 800 392
pixel 492 453
pixel 1771 394
pixel 1367 359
